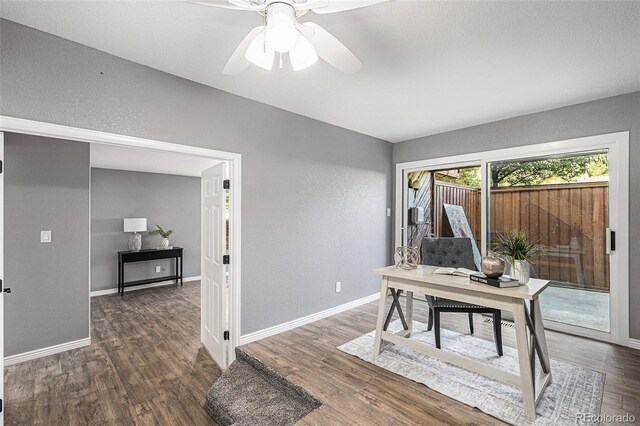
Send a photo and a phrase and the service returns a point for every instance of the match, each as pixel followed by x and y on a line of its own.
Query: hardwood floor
pixel 146 366
pixel 356 392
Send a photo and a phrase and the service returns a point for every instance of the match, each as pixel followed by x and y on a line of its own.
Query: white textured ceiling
pixel 429 66
pixel 149 161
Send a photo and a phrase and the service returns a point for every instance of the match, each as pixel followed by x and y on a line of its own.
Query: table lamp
pixel 135 225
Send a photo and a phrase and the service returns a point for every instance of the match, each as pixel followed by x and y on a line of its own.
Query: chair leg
pixel 497 330
pixel 436 325
pixel 430 325
pixel 471 322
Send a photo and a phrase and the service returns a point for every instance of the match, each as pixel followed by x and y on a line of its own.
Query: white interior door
pixel 2 276
pixel 214 287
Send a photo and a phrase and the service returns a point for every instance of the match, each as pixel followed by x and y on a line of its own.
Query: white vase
pixel 164 243
pixel 521 271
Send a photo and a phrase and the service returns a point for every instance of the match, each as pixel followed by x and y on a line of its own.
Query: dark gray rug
pixel 251 393
pixel 575 391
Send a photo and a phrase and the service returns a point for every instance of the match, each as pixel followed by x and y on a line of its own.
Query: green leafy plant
pixel 517 246
pixel 162 232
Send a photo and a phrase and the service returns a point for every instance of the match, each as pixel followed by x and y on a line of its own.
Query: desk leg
pixel 121 278
pixel 526 373
pixel 409 312
pixel 542 338
pixel 395 305
pixel 384 288
pixel 181 272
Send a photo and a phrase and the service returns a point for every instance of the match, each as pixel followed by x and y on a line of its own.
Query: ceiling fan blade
pixel 217 3
pixel 238 63
pixel 330 49
pixel 303 54
pixel 342 5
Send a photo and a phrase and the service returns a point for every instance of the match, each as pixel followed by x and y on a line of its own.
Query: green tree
pixel 567 169
pixel 469 176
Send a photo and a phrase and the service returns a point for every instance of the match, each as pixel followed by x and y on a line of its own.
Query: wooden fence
pixel 569 221
pixel 461 195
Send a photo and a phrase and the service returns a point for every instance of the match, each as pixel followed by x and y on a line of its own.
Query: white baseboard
pixel 634 343
pixel 261 334
pixel 141 287
pixel 38 353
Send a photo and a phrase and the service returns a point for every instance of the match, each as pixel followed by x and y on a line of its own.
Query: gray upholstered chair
pixel 454 253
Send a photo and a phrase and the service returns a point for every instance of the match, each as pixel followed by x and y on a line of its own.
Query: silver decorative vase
pixel 493 267
pixel 164 243
pixel 135 242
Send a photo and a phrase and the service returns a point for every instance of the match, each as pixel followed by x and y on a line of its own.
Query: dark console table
pixel 125 257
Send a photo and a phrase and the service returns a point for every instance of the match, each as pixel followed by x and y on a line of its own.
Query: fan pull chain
pixel 264 42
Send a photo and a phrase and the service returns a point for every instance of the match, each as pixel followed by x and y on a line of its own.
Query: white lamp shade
pixel 135 224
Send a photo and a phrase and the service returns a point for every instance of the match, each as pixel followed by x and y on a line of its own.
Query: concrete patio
pixel 589 309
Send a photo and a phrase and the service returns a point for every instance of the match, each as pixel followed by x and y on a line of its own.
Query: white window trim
pixel 617 145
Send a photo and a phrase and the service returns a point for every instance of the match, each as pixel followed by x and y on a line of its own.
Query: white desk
pixel 530 335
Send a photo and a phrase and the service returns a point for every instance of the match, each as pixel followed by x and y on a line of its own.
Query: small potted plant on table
pixel 520 252
pixel 164 242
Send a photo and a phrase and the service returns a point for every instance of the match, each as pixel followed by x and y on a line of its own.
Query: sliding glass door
pixel 567 196
pixel 562 203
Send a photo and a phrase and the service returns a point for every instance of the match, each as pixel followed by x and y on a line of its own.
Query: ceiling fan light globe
pixel 281 32
pixel 303 55
pixel 259 53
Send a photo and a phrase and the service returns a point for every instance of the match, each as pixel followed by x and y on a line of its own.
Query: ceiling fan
pixel 282 33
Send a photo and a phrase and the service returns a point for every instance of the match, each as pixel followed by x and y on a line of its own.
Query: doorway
pixel 170 195
pixel 230 300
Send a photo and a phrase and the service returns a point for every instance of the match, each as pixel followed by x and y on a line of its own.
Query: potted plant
pixel 520 252
pixel 164 242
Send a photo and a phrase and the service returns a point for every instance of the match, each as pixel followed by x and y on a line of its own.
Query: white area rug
pixel 575 390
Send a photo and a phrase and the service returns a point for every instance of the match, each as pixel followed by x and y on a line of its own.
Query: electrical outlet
pixel 158 269
pixel 45 236
pixel 338 286
pixel 388 211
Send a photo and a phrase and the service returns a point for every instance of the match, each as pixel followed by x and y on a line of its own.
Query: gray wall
pixel 46 188
pixel 169 200
pixel 313 195
pixel 619 113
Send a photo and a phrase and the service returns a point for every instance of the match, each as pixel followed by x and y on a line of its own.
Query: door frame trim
pixel 57 131
pixel 618 145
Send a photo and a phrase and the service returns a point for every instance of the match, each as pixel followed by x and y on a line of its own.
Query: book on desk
pixel 500 282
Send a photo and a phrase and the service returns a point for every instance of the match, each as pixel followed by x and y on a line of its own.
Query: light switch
pixel 45 236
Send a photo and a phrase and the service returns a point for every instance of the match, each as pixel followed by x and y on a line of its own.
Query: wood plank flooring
pixel 146 366
pixel 356 392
